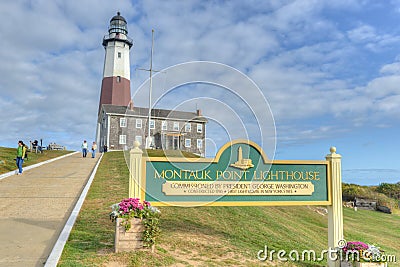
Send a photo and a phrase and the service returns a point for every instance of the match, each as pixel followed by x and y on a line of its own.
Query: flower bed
pixel 358 254
pixel 137 224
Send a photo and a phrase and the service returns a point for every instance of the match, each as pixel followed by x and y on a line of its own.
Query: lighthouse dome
pixel 118 24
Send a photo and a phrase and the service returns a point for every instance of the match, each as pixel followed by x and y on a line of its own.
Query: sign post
pixel 135 174
pixel 335 211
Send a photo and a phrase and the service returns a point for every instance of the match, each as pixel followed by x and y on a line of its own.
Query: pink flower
pixel 133 208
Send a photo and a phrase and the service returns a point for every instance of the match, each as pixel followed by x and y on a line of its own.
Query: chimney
pixel 130 105
pixel 199 114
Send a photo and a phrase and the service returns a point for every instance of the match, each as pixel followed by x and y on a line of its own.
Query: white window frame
pixel 152 124
pixel 188 127
pixel 188 142
pixel 122 122
pixel 138 123
pixel 164 125
pixel 122 139
pixel 118 79
pixel 176 126
pixel 200 143
pixel 139 138
pixel 199 127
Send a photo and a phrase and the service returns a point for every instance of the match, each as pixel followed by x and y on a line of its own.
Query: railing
pixel 107 38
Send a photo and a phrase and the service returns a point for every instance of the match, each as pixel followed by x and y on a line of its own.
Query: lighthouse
pixel 115 86
pixel 120 124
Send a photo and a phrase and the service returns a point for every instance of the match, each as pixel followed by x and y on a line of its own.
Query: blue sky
pixel 330 70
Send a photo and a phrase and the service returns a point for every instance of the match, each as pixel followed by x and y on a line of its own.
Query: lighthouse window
pixel 188 142
pixel 152 124
pixel 188 127
pixel 199 143
pixel 119 54
pixel 122 139
pixel 164 126
pixel 138 138
pixel 118 79
pixel 176 126
pixel 138 123
pixel 122 122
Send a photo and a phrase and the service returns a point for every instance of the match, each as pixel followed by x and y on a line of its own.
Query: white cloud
pixel 393 68
pixel 383 86
pixel 370 38
pixel 364 33
pixel 296 51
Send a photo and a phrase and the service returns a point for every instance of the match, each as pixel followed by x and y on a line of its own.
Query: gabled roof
pixel 155 113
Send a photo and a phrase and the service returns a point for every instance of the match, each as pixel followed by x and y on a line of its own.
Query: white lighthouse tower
pixel 115 87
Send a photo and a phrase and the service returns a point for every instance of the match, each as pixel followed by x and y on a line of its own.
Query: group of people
pixel 85 149
pixel 23 154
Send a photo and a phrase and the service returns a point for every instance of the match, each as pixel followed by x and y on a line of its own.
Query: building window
pixel 188 127
pixel 164 126
pixel 199 143
pixel 122 139
pixel 188 142
pixel 119 54
pixel 152 124
pixel 139 123
pixel 103 122
pixel 138 138
pixel 118 79
pixel 176 126
pixel 122 122
pixel 199 128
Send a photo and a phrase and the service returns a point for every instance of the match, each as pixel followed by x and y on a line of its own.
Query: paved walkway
pixel 34 207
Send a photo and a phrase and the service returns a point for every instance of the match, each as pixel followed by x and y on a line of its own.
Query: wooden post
pixel 135 171
pixel 335 211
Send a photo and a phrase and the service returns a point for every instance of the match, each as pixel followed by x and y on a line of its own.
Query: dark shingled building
pixel 120 126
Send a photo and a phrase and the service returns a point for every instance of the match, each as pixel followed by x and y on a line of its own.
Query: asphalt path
pixel 35 206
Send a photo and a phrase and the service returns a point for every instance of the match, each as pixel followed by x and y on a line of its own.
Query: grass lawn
pixel 168 153
pixel 7 156
pixel 212 236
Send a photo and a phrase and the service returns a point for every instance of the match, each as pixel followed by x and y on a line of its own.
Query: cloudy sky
pixel 329 70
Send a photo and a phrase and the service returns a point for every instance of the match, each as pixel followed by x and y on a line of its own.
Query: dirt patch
pixel 198 249
pixel 320 210
pixel 114 264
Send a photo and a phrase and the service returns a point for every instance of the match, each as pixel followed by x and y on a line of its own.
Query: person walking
pixel 94 147
pixel 84 148
pixel 21 150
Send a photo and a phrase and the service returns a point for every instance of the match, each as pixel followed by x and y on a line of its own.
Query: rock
pixel 384 209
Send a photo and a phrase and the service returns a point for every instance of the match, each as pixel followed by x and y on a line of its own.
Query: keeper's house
pixel 120 126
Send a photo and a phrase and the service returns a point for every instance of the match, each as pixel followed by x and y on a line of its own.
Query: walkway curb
pixel 58 248
pixel 7 174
